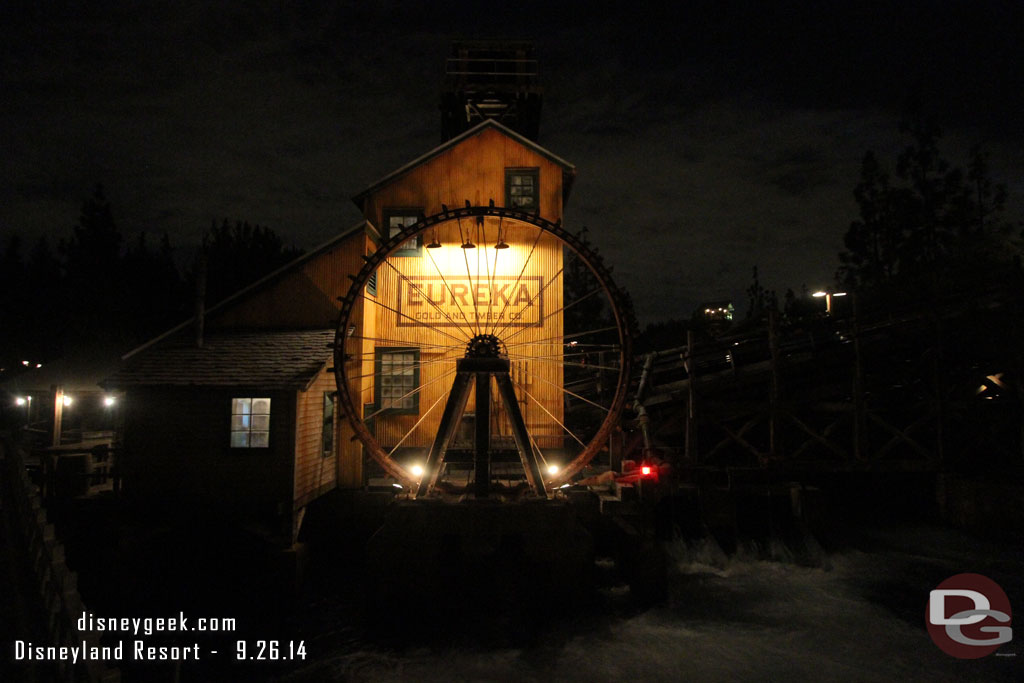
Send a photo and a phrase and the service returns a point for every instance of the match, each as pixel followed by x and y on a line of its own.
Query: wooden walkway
pixel 931 391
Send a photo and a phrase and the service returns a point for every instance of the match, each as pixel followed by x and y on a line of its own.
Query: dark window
pixel 397 374
pixel 397 220
pixel 522 188
pixel 250 422
pixel 327 436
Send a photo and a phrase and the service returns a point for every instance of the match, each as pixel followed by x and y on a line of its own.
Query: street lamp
pixel 828 298
pixel 27 402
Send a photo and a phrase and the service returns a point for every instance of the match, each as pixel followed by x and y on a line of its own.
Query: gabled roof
pixel 267 360
pixel 568 170
pixel 263 282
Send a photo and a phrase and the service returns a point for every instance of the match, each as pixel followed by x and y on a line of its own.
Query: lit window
pixel 398 375
pixel 250 422
pixel 522 188
pixel 397 220
pixel 327 436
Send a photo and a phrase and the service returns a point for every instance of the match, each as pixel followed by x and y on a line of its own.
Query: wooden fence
pixel 51 601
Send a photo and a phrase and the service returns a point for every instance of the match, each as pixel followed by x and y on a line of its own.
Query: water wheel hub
pixel 484 346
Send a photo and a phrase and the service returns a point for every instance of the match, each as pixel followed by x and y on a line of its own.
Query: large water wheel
pixel 483 348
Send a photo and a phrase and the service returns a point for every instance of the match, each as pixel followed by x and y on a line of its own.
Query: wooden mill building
pixel 242 421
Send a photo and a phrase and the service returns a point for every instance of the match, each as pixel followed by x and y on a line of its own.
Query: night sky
pixel 708 138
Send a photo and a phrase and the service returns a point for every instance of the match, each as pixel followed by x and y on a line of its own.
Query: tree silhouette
pixel 237 255
pixel 92 266
pixel 934 227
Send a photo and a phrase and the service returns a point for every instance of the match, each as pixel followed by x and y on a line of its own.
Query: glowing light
pixel 109 401
pixel 397 486
pixel 564 486
pixel 38 365
pixel 68 400
pixel 838 293
pixel 645 470
pixel 20 401
pixel 819 294
pixel 552 469
pixel 24 362
pixel 417 470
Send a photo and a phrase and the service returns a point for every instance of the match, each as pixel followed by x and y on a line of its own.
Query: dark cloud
pixel 709 136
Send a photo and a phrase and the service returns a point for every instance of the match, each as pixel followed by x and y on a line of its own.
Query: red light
pixel 645 470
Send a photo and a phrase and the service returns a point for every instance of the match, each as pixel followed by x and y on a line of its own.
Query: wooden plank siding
pixel 314 473
pixel 443 338
pixel 178 456
pixel 473 170
pixel 306 298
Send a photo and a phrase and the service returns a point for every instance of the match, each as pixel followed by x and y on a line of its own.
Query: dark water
pixel 858 615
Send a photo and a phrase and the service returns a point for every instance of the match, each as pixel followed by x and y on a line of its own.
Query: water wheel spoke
pixel 419 289
pixel 441 353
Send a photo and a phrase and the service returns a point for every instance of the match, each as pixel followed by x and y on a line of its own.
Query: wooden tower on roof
pixel 491 80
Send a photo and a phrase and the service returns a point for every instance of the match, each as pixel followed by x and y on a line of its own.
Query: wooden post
pixel 615 449
pixel 692 456
pixel 859 399
pixel 58 413
pixel 938 386
pixel 482 455
pixel 200 299
pixel 773 400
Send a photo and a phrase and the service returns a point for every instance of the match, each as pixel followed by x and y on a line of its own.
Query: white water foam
pixel 860 617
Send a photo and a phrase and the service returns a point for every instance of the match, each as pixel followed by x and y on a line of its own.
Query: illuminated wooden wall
pixel 475 169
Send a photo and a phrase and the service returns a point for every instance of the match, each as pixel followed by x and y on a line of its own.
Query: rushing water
pixel 856 616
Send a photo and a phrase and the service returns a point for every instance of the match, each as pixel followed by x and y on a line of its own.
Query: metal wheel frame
pixel 619 304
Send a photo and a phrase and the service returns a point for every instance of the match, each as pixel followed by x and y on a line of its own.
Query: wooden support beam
pixel 482 454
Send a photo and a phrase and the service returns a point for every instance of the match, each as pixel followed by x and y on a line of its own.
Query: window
pixel 397 220
pixel 250 422
pixel 327 436
pixel 397 375
pixel 522 188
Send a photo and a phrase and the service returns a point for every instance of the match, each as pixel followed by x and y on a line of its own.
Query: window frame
pixel 378 358
pixel 248 429
pixel 402 212
pixel 532 171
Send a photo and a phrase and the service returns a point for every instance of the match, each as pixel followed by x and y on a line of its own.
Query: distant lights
pixel 109 401
pixel 21 400
pixel 818 295
pixel 38 365
pixel 25 362
pixel 645 470
pixel 68 400
pixel 417 470
pixel 552 469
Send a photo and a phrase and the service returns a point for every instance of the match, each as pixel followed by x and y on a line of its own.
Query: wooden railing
pixel 921 390
pixel 55 600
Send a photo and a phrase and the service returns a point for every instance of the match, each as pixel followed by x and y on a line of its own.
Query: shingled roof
pixel 269 360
